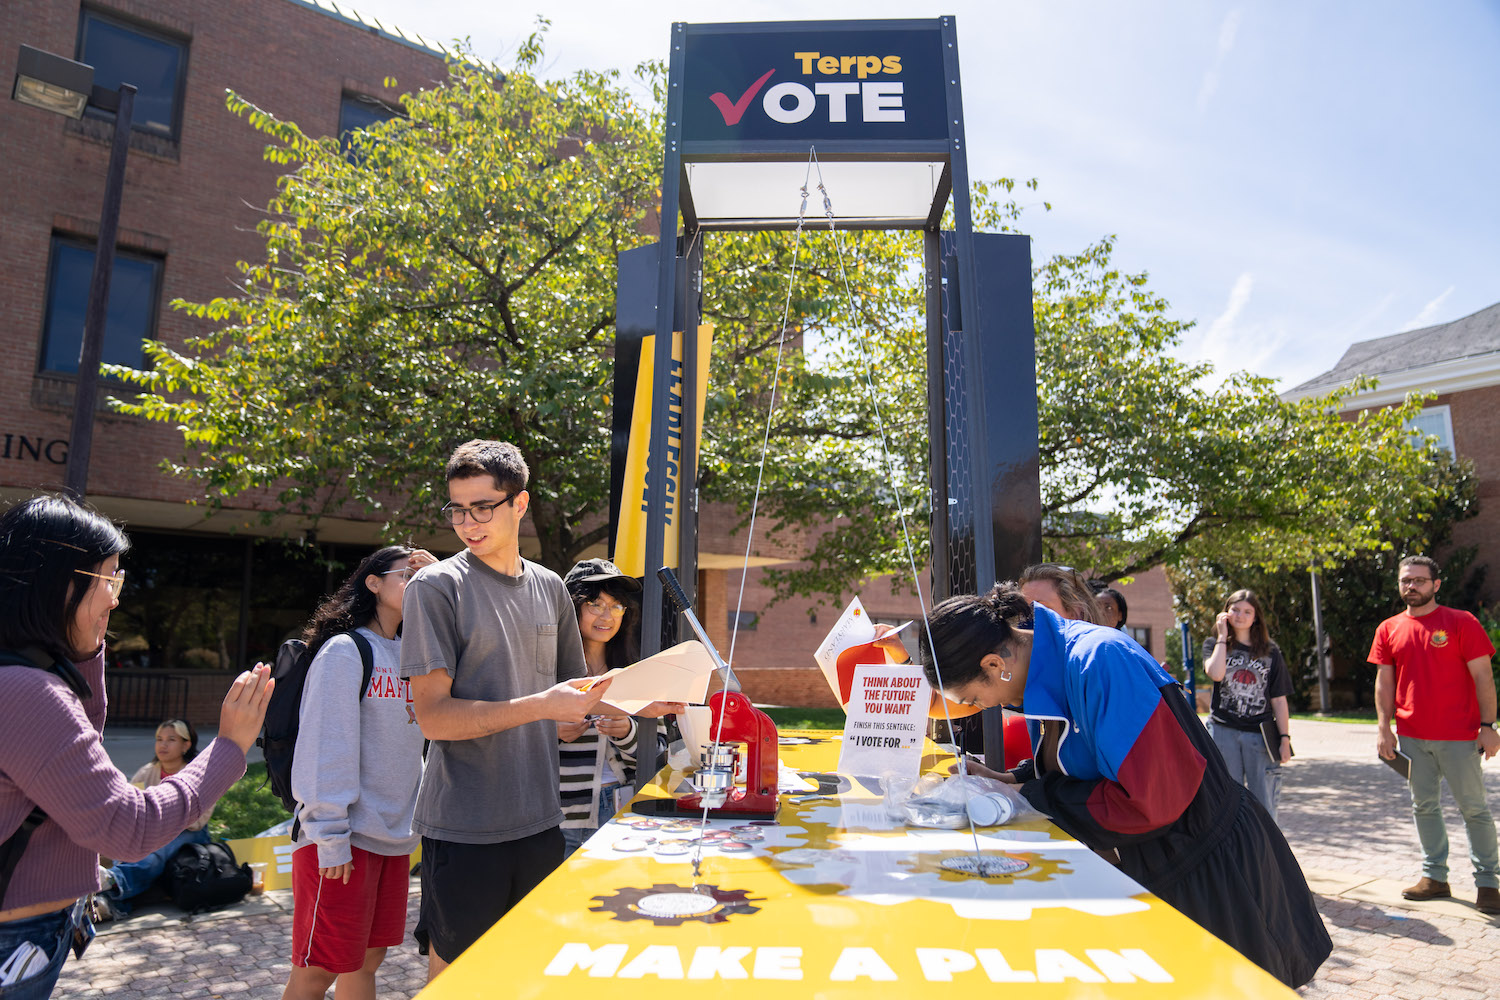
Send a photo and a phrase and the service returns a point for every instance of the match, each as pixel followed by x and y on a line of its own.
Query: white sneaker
pixel 107 879
pixel 103 911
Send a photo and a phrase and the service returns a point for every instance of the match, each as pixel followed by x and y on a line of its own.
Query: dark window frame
pixel 155 33
pixel 353 96
pixel 159 263
pixel 749 621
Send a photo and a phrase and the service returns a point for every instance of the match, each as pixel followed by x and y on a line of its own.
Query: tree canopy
pixel 452 276
pixel 1357 594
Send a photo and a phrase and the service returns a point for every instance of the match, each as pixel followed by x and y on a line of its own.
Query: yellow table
pixel 836 901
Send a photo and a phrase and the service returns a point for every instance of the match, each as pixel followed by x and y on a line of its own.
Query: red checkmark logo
pixel 733 112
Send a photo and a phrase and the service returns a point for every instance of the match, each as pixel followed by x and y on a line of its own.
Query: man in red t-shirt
pixel 1433 675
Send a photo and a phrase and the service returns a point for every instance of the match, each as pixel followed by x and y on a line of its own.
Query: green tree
pixel 1357 593
pixel 454 277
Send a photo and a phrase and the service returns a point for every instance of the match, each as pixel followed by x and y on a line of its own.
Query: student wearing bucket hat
pixel 597 757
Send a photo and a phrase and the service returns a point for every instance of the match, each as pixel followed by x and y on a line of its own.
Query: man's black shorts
pixel 467 887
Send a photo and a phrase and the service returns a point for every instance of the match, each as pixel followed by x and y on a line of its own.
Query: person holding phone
pixel 1251 685
pixel 62 802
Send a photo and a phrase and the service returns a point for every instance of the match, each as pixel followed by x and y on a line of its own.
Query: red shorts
pixel 334 924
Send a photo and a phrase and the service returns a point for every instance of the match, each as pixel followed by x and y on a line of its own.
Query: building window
pixel 1141 634
pixel 743 621
pixel 358 112
pixel 1434 421
pixel 133 292
pixel 121 52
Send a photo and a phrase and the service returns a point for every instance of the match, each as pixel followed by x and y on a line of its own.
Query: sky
pixel 1295 177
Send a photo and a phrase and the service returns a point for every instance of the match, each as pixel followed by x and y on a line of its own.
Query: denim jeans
pixel 1249 764
pixel 1458 761
pixel 604 802
pixel 134 877
pixel 52 932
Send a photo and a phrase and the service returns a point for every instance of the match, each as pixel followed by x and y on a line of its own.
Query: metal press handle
pixel 673 590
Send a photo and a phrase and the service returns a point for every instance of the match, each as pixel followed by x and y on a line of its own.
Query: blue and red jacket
pixel 1137 772
pixel 1127 768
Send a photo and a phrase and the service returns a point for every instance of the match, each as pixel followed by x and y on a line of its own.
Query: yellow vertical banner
pixel 635 498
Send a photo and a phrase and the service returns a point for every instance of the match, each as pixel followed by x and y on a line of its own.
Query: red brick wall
pixel 199 207
pixel 1475 414
pixel 1150 600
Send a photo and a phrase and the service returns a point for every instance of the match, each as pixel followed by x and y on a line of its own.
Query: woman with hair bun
pixel 1120 763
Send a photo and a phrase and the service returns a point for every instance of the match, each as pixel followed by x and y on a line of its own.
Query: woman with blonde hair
pixel 176 746
pixel 1061 588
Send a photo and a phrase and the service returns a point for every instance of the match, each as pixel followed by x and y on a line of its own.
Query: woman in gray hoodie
pixel 355 774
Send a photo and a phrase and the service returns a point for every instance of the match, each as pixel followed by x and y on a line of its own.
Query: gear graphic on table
pixel 669 905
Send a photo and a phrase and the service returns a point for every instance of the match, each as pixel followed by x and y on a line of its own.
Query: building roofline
pixel 390 32
pixel 1474 371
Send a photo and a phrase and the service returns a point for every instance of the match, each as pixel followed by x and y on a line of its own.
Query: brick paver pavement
pixel 1347 818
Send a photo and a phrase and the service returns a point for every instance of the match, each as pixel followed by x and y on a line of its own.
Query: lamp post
pixel 66 87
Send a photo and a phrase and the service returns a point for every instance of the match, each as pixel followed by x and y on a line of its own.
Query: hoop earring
pixel 1005 676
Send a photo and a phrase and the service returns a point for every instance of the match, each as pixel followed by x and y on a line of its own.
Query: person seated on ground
pixel 355 774
pixel 60 578
pixel 176 745
pixel 1121 765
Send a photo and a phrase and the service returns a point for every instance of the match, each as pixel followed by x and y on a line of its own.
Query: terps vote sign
pixel 814 83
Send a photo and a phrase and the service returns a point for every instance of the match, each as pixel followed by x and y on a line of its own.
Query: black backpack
pixel 283 715
pixel 205 877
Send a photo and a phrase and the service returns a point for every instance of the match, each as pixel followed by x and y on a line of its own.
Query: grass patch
pixel 1346 715
pixel 248 807
pixel 806 718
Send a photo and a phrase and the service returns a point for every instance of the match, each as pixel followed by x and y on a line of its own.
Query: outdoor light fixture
pixel 66 87
pixel 52 83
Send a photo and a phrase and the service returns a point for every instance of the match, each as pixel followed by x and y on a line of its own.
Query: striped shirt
pixel 582 769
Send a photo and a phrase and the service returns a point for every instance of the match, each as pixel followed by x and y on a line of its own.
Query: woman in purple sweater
pixel 60 577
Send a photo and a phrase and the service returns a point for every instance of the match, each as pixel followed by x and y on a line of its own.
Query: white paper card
pixel 887 721
pixel 680 673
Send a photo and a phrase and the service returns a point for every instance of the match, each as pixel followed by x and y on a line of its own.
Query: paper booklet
pixel 848 644
pixel 680 673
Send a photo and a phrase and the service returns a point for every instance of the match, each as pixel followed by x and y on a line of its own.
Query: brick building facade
pixel 1460 362
pixel 229 586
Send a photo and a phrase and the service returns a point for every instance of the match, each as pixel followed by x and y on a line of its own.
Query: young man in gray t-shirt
pixel 490 643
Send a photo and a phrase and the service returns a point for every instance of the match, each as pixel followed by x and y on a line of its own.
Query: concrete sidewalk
pixel 1347 817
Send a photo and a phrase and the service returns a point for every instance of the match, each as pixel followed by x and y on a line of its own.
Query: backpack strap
pixel 366 659
pixel 15 844
pixel 367 662
pixel 40 659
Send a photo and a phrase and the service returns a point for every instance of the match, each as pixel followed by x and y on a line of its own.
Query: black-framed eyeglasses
pixel 480 513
